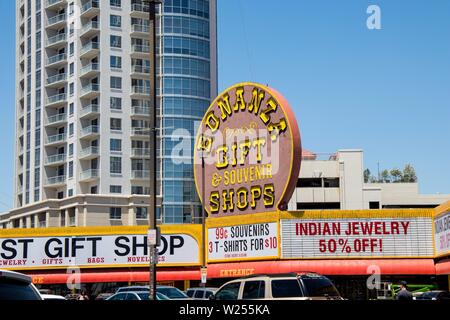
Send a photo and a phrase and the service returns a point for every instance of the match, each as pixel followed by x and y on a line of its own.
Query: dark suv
pixel 291 286
pixel 17 286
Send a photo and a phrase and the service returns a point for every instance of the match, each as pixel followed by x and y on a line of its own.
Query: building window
pixel 115 62
pixel 141 213
pixel 115 165
pixel 115 21
pixel 71 109
pixel 37 177
pixel 374 205
pixel 331 182
pixel 70 129
pixel 115 213
pixel 115 189
pixel 70 192
pixel 70 149
pixel 137 190
pixel 71 89
pixel 71 49
pixel 116 83
pixel 115 3
pixel 116 124
pixel 115 42
pixel 71 69
pixel 115 103
pixel 71 169
pixel 309 183
pixel 115 145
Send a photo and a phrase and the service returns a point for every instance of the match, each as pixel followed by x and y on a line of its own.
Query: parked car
pixel 17 286
pixel 171 292
pixel 135 295
pixel 103 296
pixel 200 293
pixel 133 288
pixel 434 295
pixel 72 296
pixel 291 286
pixel 52 297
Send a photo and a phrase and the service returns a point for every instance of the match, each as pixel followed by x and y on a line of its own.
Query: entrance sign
pixel 247 151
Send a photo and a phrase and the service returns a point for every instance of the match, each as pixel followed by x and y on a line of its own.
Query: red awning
pixel 124 276
pixel 239 269
pixel 443 267
pixel 326 267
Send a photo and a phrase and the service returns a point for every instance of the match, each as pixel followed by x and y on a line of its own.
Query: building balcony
pixel 90 91
pixel 89 153
pixel 90 111
pixel 56 100
pixel 140 30
pixel 140 174
pixel 90 132
pixel 89 71
pixel 56 139
pixel 57 41
pixel 55 4
pixel 137 70
pixel 57 119
pixel 140 111
pixel 140 51
pixel 140 152
pixel 55 160
pixel 140 91
pixel 56 60
pixel 89 29
pixel 89 175
pixel 56 22
pixel 57 81
pixel 140 10
pixel 57 181
pixel 90 50
pixel 140 132
pixel 90 9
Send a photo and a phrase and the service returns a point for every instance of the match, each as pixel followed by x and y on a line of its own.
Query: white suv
pixel 291 286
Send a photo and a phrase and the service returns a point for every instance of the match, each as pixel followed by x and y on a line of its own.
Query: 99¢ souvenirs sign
pixel 247 152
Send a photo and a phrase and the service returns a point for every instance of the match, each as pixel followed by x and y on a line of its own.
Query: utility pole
pixel 203 269
pixel 153 235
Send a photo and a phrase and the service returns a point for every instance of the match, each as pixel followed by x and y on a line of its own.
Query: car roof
pixel 52 296
pixel 284 275
pixel 202 288
pixel 15 276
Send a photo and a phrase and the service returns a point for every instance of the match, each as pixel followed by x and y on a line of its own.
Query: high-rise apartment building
pixel 83 105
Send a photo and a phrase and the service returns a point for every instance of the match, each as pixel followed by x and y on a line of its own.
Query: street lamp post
pixel 153 156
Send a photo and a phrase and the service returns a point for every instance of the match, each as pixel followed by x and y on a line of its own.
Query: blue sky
pixel 386 91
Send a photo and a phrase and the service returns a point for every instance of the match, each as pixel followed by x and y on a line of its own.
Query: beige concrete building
pixel 336 181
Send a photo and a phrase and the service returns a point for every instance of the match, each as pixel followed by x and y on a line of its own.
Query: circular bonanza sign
pixel 247 152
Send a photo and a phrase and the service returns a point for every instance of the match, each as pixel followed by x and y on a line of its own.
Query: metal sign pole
pixel 153 154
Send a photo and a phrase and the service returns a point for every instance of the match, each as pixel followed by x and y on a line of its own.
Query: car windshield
pixel 144 295
pixel 160 296
pixel 319 287
pixel 172 293
pixel 17 290
pixel 430 294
